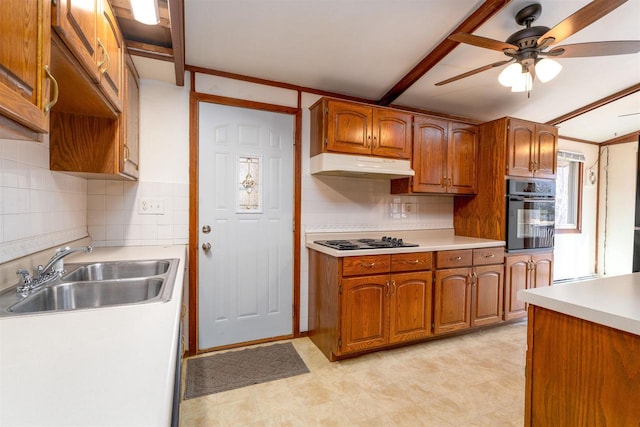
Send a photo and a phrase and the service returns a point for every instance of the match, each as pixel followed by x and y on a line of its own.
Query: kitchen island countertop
pixel 427 240
pixel 611 301
pixel 111 366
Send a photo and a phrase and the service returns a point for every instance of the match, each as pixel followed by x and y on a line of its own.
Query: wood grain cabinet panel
pixel 24 53
pixel 365 313
pixel 111 41
pixel 444 158
pixel 411 261
pixel 366 264
pixel 410 306
pixel 353 128
pixel 470 294
pixel 531 149
pixel 525 271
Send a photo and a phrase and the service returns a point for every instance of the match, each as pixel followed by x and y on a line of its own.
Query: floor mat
pixel 235 369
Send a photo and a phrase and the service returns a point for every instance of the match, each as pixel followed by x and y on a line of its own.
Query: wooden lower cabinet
pixel 525 271
pixel 468 296
pixel 410 306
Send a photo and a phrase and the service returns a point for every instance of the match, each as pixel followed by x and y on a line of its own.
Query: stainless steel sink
pixel 78 295
pixel 96 285
pixel 115 270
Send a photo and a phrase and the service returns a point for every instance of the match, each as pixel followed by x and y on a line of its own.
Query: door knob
pixel 206 229
pixel 206 247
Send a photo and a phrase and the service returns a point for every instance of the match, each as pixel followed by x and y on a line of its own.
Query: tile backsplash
pixel 39 208
pixel 115 216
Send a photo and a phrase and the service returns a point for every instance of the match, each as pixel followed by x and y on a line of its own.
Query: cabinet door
pixel 110 50
pixel 391 134
pixel 76 24
pixel 410 306
pixel 542 269
pixel 364 313
pixel 517 278
pixel 487 294
pixel 452 302
pixel 129 149
pixel 546 151
pixel 520 147
pixel 462 158
pixel 349 128
pixel 24 52
pixel 429 154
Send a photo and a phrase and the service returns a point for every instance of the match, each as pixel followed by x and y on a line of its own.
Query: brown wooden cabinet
pixel 353 128
pixel 531 149
pixel 444 158
pixel 525 271
pixel 368 302
pixel 468 288
pixel 24 57
pixel 88 29
pixel 96 146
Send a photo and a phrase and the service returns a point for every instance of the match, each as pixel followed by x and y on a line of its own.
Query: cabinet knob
pixel 206 247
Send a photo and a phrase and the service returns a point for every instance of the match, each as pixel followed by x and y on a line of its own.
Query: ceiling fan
pixel 527 48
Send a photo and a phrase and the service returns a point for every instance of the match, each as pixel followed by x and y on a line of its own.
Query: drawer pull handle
pixel 458 258
pixel 412 261
pixel 490 256
pixel 54 97
pixel 367 264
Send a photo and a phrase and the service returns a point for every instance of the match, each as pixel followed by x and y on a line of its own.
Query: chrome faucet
pixel 52 270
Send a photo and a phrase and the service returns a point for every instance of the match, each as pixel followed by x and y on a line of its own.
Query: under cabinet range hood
pixel 360 166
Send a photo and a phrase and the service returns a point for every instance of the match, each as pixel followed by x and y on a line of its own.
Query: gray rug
pixel 235 369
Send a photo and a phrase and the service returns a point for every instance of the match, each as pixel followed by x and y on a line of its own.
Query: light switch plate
pixel 151 207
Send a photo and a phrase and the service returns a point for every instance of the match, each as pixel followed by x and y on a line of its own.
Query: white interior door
pixel 245 279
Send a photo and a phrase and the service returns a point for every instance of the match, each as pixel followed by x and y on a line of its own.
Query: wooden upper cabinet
pixel 88 29
pixel 352 128
pixel 430 137
pixel 111 65
pixel 24 54
pixel 76 24
pixel 129 150
pixel 348 127
pixel 462 154
pixel 531 149
pixel 546 151
pixel 444 158
pixel 391 134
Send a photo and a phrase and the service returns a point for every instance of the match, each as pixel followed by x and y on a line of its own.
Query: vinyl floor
pixel 476 379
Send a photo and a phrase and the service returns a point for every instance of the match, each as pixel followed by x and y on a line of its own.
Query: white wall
pixel 617 208
pixel 574 253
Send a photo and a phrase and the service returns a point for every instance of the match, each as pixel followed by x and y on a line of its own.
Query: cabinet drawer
pixel 451 259
pixel 411 262
pixel 371 264
pixel 487 256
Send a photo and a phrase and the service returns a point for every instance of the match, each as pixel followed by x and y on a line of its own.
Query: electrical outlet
pixel 151 207
pixel 408 208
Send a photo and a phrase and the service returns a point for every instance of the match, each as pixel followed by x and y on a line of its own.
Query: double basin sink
pixel 95 285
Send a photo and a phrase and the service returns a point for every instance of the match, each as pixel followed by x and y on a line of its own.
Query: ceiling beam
pixel 481 15
pixel 597 104
pixel 176 15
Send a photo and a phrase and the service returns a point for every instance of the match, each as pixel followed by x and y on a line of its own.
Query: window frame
pixel 580 185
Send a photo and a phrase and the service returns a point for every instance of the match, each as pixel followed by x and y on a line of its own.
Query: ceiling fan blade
pixel 581 19
pixel 476 71
pixel 581 50
pixel 482 42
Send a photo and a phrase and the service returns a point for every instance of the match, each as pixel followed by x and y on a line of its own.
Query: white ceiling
pixel 363 47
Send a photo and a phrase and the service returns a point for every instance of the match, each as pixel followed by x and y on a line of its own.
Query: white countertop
pixel 612 301
pixel 111 366
pixel 427 240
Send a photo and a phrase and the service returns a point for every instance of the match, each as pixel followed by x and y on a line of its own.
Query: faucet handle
pixel 25 280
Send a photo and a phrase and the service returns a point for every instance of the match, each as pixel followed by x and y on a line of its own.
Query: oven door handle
pixel 537 200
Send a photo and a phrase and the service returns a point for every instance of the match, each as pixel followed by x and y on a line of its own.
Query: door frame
pixel 194 112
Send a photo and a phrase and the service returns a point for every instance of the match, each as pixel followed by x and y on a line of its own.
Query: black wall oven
pixel 530 214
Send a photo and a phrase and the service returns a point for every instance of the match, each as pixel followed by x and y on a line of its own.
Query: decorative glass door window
pixel 249 195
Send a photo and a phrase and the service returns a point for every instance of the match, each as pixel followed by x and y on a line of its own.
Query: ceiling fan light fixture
pixel 547 69
pixel 510 75
pixel 146 11
pixel 524 83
